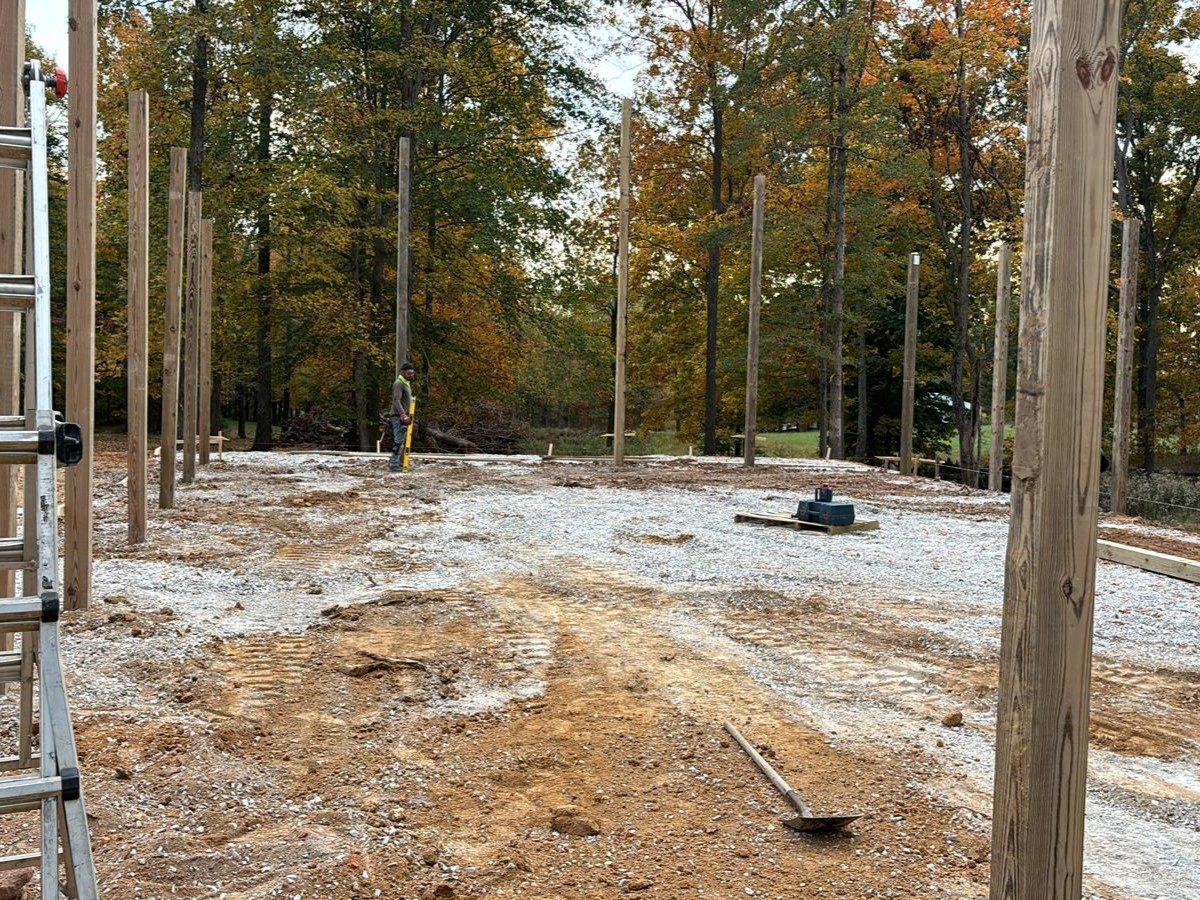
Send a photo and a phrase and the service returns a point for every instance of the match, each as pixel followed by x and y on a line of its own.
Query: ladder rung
pixel 16 293
pixel 13 137
pixel 10 668
pixel 19 861
pixel 21 610
pixel 20 789
pixel 10 422
pixel 12 554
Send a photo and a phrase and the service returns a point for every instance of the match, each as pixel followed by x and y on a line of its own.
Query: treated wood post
pixel 1123 393
pixel 139 285
pixel 81 297
pixel 622 288
pixel 191 337
pixel 909 390
pixel 756 250
pixel 204 402
pixel 1046 638
pixel 402 340
pixel 1000 368
pixel 174 290
pixel 12 254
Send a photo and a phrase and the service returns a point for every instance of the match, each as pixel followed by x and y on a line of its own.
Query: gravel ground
pixel 933 572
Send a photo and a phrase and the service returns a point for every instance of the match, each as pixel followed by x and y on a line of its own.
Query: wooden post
pixel 1000 368
pixel 204 404
pixel 622 288
pixel 81 297
pixel 1046 638
pixel 402 339
pixel 909 390
pixel 12 255
pixel 174 290
pixel 191 337
pixel 139 285
pixel 756 250
pixel 1123 393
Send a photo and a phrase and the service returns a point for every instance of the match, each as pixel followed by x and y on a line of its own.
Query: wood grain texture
pixel 191 338
pixel 1123 390
pixel 402 219
pixel 81 297
pixel 1151 560
pixel 12 233
pixel 1000 368
pixel 622 287
pixel 171 319
pixel 138 281
pixel 204 404
pixel 756 252
pixel 909 388
pixel 1046 639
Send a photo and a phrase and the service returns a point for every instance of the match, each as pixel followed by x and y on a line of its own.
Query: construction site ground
pixel 317 679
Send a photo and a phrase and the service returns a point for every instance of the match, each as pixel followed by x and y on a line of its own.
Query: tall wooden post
pixel 909 389
pixel 204 403
pixel 402 217
pixel 12 254
pixel 1123 393
pixel 1000 368
pixel 191 337
pixel 81 296
pixel 1046 638
pixel 139 285
pixel 174 290
pixel 622 288
pixel 756 251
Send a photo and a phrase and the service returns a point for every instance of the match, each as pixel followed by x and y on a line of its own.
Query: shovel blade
pixel 819 824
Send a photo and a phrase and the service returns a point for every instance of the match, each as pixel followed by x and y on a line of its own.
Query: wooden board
pixel 138 282
pixel 81 297
pixel 1150 560
pixel 782 521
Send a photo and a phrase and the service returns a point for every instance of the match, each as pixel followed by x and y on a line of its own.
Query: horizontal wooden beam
pixel 1150 560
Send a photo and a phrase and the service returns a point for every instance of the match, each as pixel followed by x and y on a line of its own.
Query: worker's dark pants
pixel 399 433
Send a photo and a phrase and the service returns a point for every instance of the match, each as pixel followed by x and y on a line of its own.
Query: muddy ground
pixel 318 680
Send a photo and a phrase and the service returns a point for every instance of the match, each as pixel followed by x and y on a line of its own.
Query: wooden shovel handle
pixel 776 779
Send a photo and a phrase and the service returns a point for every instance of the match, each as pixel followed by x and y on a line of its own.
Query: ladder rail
pixel 55 791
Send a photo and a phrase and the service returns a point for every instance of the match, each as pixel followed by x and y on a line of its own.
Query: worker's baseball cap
pixel 408 367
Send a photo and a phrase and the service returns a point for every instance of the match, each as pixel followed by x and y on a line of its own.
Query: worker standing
pixel 401 416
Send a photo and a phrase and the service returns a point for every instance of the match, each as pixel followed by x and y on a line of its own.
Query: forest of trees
pixel 883 127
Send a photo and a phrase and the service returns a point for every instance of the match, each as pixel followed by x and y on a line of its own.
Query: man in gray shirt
pixel 401 415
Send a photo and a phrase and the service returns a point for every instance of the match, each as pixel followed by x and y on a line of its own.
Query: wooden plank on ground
pixel 784 521
pixel 1150 560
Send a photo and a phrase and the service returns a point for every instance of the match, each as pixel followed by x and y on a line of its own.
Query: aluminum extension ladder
pixel 42 779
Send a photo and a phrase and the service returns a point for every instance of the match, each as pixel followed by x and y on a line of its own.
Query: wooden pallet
pixel 797 525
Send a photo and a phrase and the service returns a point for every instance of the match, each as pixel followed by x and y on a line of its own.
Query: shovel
pixel 806 821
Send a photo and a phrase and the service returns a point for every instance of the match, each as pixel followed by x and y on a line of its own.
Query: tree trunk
pixel 264 434
pixel 713 281
pixel 964 418
pixel 199 101
pixel 241 411
pixel 860 444
pixel 839 158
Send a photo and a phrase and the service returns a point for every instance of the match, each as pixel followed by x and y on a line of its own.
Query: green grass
pixel 790 444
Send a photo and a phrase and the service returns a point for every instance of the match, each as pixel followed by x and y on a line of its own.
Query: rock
pixel 123 774
pixel 518 862
pixel 638 884
pixel 429 856
pixel 12 884
pixel 573 820
pixel 442 891
pixel 953 720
